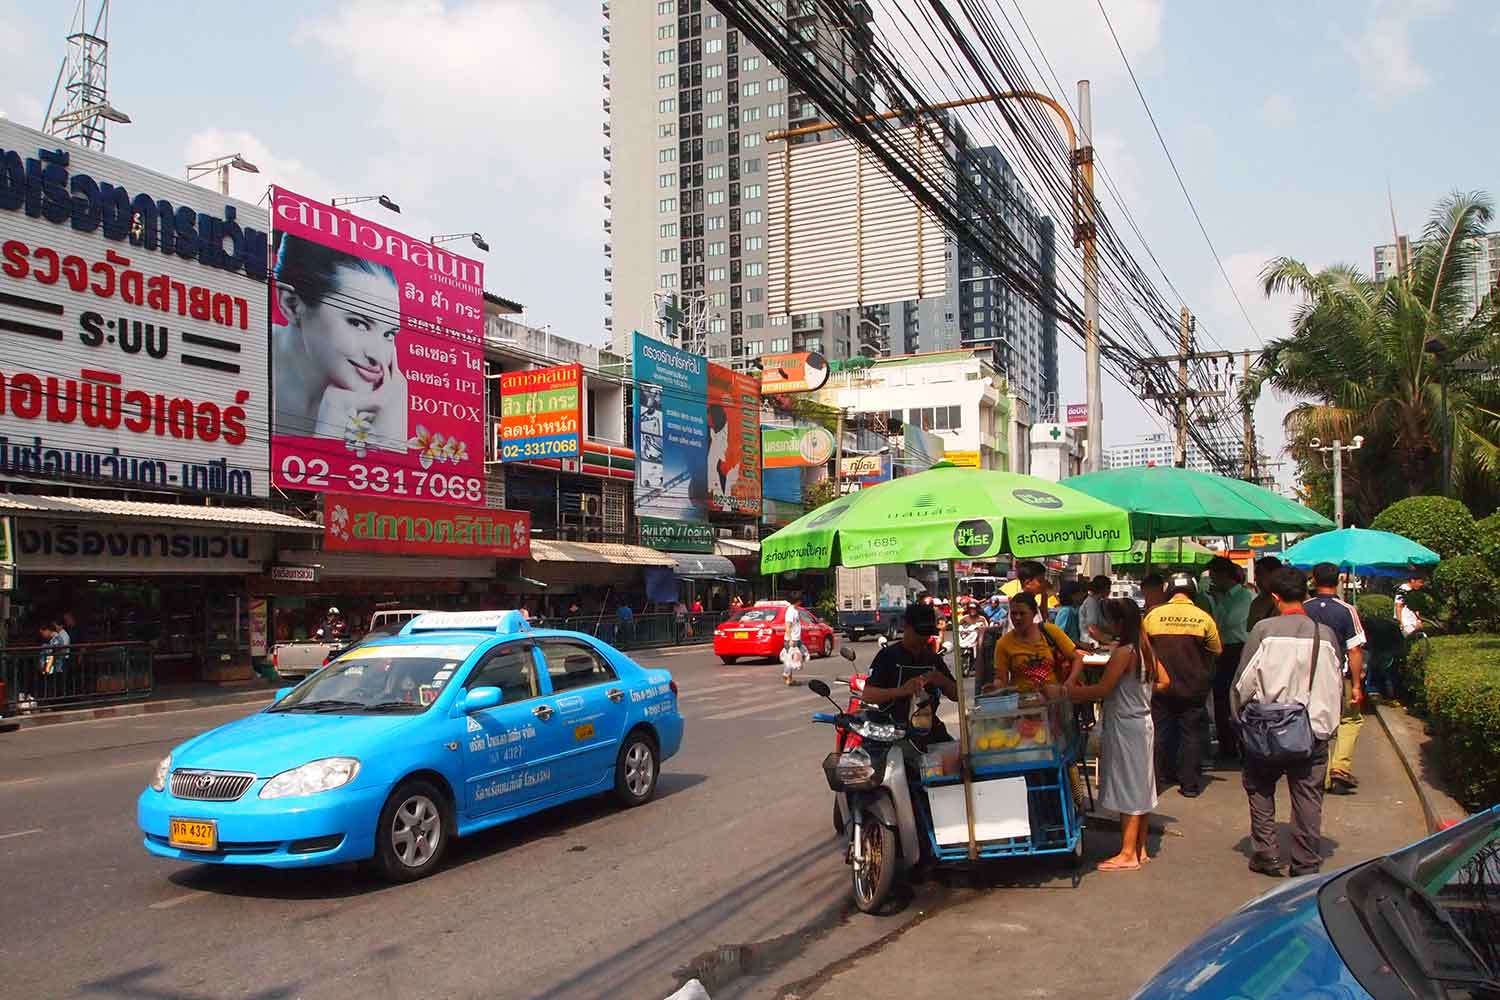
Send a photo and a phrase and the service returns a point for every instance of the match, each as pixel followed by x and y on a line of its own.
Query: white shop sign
pixel 111 547
pixel 133 328
pixel 295 574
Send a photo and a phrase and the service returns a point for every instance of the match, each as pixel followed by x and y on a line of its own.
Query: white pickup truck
pixel 295 660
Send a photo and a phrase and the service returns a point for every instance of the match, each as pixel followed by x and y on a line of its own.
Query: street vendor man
pixel 902 671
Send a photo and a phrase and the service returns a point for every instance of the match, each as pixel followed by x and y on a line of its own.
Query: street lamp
pixel 104 110
pixel 477 240
pixel 385 202
pixel 221 165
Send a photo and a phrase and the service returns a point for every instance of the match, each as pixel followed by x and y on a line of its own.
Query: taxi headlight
pixel 163 768
pixel 311 778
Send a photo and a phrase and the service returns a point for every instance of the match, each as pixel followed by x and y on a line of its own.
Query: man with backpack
pixel 1287 697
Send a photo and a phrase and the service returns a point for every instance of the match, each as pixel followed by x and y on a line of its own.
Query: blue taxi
pixel 463 721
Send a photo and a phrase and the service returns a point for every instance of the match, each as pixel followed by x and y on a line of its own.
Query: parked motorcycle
pixel 873 798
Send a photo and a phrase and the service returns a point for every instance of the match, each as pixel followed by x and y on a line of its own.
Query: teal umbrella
pixel 1168 502
pixel 1361 551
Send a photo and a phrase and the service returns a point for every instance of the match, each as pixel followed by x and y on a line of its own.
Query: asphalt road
pixel 732 873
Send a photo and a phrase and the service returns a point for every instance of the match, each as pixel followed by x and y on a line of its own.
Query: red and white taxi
pixel 760 631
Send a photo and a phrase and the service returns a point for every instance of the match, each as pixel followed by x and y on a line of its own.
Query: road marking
pixel 47 727
pixel 786 732
pixel 136 763
pixel 740 713
pixel 167 904
pixel 19 833
pixel 18 781
pixel 699 692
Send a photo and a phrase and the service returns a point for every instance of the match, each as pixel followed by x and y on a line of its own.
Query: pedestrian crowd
pixel 1272 675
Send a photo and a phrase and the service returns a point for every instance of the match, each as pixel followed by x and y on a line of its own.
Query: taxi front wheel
pixel 413 831
pixel 636 770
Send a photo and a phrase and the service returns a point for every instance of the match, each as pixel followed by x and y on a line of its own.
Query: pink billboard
pixel 377 359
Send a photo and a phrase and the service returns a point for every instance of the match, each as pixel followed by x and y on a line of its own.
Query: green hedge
pixel 1376 606
pixel 1462 685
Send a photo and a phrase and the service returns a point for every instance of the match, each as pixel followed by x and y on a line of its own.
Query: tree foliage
pixel 1357 359
pixel 1444 526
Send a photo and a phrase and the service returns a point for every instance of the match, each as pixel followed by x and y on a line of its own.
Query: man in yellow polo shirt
pixel 1186 642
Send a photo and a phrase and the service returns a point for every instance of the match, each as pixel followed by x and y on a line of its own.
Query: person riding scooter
pixel 902 671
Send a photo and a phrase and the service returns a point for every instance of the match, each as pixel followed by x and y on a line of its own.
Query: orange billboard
pixel 784 373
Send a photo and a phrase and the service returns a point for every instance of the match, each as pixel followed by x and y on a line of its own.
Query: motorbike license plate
pixel 742 635
pixel 194 834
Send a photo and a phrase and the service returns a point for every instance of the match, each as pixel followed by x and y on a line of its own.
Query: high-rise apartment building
pixel 688 105
pixel 1484 280
pixel 991 311
pixel 1158 449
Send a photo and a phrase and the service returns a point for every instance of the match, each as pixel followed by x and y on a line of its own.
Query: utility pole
pixel 838 457
pixel 1086 236
pixel 1250 466
pixel 1184 350
pixel 1338 448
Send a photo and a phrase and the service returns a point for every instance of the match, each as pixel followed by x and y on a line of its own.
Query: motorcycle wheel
pixel 873 883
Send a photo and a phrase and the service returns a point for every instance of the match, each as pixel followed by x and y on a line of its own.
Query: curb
pixel 132 709
pixel 1436 804
pixel 1428 816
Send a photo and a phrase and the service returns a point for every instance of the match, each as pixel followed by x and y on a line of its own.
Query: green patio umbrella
pixel 947 513
pixel 944 514
pixel 1166 552
pixel 1168 502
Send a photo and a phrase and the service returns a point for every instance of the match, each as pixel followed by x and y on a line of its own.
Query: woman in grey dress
pixel 1127 782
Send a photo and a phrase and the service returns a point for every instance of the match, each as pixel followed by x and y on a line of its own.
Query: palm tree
pixel 1360 359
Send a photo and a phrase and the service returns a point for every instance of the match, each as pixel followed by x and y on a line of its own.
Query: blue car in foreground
pixel 1423 922
pixel 461 722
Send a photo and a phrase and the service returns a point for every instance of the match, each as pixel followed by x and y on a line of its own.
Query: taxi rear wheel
pixel 730 661
pixel 636 770
pixel 827 647
pixel 413 831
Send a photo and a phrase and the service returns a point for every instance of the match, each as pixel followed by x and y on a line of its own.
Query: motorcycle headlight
pixel 311 778
pixel 163 768
pixel 883 732
pixel 855 768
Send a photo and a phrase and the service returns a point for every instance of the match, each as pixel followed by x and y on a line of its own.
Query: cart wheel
pixel 1075 857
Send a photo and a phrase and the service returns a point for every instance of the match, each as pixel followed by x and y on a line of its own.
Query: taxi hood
pixel 268 743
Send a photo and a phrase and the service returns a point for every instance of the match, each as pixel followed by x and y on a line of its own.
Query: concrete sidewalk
pixel 1025 929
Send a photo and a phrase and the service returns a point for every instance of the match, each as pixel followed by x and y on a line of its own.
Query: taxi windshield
pixel 379 678
pixel 752 615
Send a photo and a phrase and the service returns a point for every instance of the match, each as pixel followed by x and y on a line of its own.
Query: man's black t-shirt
pixel 893 666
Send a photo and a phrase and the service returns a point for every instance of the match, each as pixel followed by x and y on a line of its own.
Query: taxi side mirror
pixel 480 698
pixel 282 693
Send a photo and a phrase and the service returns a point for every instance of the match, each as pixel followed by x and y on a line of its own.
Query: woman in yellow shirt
pixel 1027 658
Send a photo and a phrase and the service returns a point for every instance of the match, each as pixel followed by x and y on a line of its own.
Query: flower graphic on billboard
pixel 340 520
pixel 436 448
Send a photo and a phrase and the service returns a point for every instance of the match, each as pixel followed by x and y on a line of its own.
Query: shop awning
pixel 92 509
pixel 736 548
pixel 613 553
pixel 379 566
pixel 703 567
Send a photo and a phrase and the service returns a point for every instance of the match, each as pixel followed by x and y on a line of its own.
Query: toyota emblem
pixel 205 781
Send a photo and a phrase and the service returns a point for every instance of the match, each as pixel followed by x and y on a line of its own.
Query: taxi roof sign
pixel 499 622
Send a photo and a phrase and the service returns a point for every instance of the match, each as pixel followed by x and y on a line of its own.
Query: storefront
pixel 291 599
pixel 596 575
pixel 172 576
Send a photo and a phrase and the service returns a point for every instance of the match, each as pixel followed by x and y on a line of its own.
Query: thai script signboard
pixel 540 414
pixel 132 325
pixel 362 523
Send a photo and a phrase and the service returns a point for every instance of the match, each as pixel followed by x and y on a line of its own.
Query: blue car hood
pixel 1274 948
pixel 268 743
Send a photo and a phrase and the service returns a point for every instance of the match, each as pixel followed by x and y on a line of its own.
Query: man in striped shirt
pixel 1326 608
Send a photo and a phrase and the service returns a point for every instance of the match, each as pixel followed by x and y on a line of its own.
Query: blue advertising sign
pixel 671 446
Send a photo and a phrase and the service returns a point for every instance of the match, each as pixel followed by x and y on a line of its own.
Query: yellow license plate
pixel 194 834
pixel 742 635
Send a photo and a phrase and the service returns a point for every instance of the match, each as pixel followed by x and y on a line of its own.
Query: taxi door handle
pixel 543 712
pixel 615 694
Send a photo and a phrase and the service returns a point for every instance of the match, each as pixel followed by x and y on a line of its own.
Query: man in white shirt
pixel 1290 658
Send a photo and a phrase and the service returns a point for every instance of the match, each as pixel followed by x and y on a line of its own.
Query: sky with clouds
pixel 1287 120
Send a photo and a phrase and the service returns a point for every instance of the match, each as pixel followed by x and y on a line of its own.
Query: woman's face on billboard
pixel 351 335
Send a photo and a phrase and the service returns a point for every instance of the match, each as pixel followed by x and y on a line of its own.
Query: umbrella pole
pixel 963 712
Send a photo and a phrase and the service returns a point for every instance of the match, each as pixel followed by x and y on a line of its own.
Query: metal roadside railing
pixel 37 677
pixel 641 631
